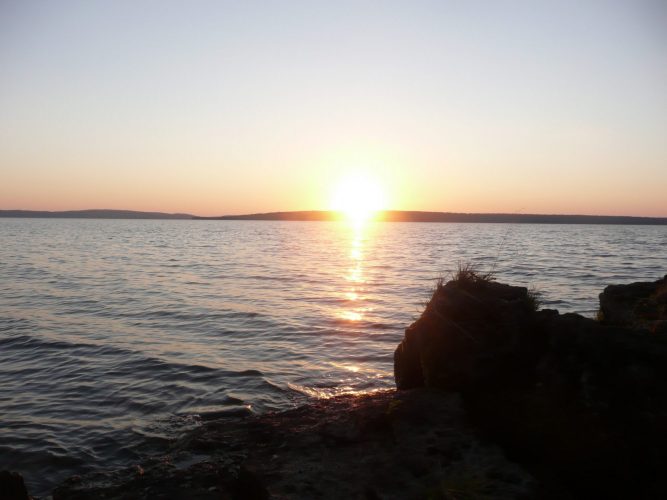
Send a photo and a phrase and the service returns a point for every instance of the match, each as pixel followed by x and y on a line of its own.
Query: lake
pixel 115 335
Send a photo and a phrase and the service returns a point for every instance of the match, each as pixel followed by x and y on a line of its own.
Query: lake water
pixel 115 335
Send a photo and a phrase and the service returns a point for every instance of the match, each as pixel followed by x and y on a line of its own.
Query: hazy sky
pixel 234 107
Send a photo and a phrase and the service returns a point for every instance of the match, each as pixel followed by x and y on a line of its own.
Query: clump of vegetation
pixel 466 274
pixel 534 298
pixel 467 277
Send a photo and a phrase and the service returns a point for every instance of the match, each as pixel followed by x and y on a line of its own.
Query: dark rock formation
pixel 472 331
pixel 12 486
pixel 580 403
pixel 638 305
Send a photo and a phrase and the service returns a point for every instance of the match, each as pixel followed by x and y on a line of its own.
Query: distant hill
pixel 303 215
pixel 414 216
pixel 93 214
pixel 324 215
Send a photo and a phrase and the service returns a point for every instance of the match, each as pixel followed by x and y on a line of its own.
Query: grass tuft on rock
pixel 467 275
pixel 534 298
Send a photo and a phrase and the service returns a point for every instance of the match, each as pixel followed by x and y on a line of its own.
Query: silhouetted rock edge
pixel 581 403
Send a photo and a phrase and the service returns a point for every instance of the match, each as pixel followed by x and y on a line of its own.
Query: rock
pixel 471 331
pixel 637 305
pixel 248 486
pixel 12 486
pixel 580 403
pixel 160 479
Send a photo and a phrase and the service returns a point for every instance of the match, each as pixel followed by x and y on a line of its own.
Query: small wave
pixel 31 342
pixel 267 277
pixel 165 428
pixel 381 326
pixel 219 413
pixel 247 373
pixel 331 392
pixel 16 324
pixel 207 316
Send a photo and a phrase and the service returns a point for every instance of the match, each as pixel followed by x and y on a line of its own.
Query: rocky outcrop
pixel 472 331
pixel 12 486
pixel 581 404
pixel 638 305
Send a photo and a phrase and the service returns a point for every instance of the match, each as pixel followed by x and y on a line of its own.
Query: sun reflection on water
pixel 354 308
pixel 351 315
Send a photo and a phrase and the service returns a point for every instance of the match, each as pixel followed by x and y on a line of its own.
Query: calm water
pixel 115 335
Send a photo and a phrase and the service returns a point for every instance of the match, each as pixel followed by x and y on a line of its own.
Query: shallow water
pixel 117 334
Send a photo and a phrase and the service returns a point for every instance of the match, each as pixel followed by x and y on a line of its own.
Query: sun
pixel 358 196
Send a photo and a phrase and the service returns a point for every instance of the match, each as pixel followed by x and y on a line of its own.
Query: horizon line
pixel 324 215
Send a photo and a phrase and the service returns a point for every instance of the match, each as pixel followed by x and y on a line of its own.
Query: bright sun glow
pixel 358 197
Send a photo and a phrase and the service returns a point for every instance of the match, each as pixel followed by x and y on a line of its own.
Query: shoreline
pixel 383 445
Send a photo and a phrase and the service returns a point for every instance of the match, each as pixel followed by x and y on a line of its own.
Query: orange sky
pixel 234 108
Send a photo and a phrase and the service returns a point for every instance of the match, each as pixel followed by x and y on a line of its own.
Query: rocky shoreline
pixel 495 399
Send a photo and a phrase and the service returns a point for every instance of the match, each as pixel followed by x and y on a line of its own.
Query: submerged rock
pixel 581 404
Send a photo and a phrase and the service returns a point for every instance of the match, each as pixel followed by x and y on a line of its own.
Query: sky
pixel 228 107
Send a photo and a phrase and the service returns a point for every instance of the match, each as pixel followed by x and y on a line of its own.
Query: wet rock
pixel 12 486
pixel 160 479
pixel 637 305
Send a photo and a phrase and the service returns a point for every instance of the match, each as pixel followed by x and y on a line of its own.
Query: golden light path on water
pixel 355 309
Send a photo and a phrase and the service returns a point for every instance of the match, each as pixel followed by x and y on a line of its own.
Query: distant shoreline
pixel 323 215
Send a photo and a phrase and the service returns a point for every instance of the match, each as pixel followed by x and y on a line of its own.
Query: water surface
pixel 117 334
